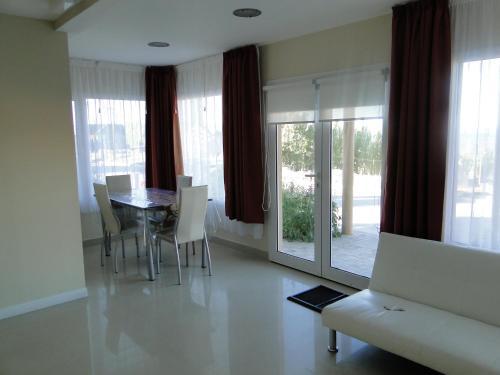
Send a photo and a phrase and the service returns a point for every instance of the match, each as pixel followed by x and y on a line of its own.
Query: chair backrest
pixel 111 222
pixel 452 278
pixel 118 183
pixel 192 211
pixel 182 182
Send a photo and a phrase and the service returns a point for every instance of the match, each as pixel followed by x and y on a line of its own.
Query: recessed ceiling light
pixel 247 12
pixel 158 44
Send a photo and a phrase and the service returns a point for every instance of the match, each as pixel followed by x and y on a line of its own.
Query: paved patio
pixel 353 253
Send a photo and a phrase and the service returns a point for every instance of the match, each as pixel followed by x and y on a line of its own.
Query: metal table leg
pixel 144 237
pixel 149 247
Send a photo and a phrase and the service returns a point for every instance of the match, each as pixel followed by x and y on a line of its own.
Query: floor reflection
pixel 236 322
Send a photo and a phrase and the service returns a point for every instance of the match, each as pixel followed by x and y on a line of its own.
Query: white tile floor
pixel 236 322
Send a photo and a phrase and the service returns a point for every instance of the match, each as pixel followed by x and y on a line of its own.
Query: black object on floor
pixel 317 298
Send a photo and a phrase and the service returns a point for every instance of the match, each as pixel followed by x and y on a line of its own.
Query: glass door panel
pixel 296 190
pixel 356 155
pixel 297 202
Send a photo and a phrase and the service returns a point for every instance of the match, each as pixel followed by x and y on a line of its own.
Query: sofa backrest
pixel 456 279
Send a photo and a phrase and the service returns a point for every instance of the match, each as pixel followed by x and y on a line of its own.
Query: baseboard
pixel 98 241
pixel 42 303
pixel 92 242
pixel 239 246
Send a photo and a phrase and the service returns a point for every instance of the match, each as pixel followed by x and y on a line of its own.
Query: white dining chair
pixel 182 182
pixel 112 224
pixel 166 219
pixel 189 227
pixel 119 183
pixel 172 211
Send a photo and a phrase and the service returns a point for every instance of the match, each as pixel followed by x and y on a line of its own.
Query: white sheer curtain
pixel 109 116
pixel 472 213
pixel 199 96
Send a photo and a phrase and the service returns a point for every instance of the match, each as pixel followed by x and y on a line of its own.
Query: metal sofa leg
pixel 332 341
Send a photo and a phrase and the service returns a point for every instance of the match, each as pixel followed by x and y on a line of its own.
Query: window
pixel 199 102
pixel 474 179
pixel 109 112
pixel 201 136
pixel 116 135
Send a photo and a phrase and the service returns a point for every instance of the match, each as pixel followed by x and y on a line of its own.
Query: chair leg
pixel 108 244
pixel 187 254
pixel 116 258
pixel 103 245
pixel 137 245
pixel 194 249
pixel 178 260
pixel 207 248
pixel 159 249
pixel 123 248
pixel 332 341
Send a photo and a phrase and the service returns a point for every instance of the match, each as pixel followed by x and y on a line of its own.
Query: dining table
pixel 148 201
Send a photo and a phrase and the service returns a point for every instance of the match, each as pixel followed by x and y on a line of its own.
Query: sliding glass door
pixel 326 143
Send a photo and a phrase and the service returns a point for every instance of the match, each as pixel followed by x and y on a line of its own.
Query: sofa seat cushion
pixel 438 339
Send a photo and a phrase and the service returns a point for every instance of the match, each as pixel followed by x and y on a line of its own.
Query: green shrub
pixel 297 148
pixel 336 233
pixel 298 214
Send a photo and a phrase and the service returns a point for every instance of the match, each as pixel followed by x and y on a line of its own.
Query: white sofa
pixel 432 303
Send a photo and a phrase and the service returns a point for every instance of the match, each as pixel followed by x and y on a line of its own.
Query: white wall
pixel 357 44
pixel 91 226
pixel 40 237
pixel 259 244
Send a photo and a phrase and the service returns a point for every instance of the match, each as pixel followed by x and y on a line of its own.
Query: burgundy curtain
pixel 418 120
pixel 242 141
pixel 163 150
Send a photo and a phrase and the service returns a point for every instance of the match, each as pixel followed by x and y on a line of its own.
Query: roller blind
pixel 290 103
pixel 105 80
pixel 358 94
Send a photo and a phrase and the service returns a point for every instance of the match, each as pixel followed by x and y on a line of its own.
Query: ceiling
pixel 119 30
pixel 40 9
